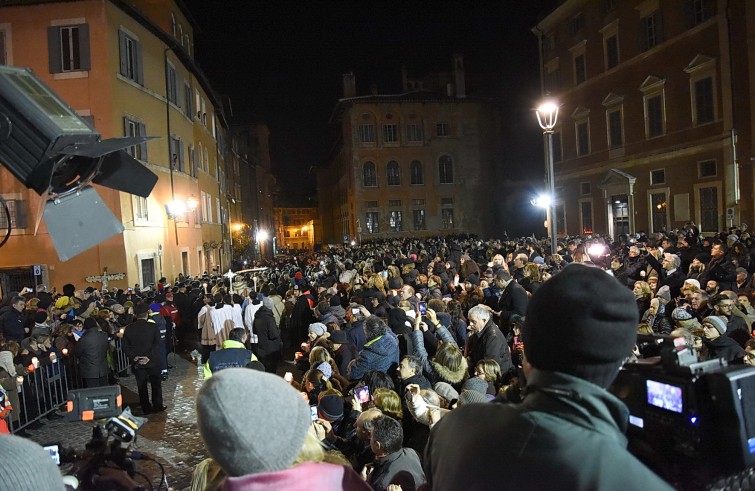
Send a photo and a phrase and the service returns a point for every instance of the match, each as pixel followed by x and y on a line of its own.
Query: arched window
pixel 418 176
pixel 370 175
pixel 188 43
pixel 394 173
pixel 180 34
pixel 446 170
pixel 173 23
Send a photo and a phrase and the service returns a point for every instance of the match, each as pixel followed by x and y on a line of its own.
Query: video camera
pixel 690 421
pixel 111 437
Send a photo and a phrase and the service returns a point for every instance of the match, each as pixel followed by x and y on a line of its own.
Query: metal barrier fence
pixel 45 388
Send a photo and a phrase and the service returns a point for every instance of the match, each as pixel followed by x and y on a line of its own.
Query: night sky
pixel 281 63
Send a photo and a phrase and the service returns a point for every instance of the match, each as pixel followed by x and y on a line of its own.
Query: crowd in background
pixel 380 340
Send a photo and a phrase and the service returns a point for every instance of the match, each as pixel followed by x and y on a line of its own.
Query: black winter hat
pixel 330 407
pixel 582 322
pixel 395 283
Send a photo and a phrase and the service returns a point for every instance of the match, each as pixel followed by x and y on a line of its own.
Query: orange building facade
pixel 128 69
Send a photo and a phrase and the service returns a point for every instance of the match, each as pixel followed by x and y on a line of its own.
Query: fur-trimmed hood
pixel 445 374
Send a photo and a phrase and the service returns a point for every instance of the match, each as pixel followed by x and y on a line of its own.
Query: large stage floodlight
pixel 50 149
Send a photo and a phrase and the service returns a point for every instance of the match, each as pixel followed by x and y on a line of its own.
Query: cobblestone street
pixel 170 437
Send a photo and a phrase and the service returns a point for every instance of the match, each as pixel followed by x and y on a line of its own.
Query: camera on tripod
pixel 689 421
pixel 111 436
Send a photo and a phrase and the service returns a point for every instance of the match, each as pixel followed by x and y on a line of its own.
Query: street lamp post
pixel 547 115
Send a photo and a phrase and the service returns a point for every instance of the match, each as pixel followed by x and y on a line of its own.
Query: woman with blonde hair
pixel 642 295
pixel 389 402
pixel 320 355
pixel 489 371
pixel 532 278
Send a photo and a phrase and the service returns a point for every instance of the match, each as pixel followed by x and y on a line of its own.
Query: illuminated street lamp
pixel 547 115
pixel 192 203
pixel 262 236
pixel 235 227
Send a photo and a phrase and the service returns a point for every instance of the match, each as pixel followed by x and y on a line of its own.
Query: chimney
pixel 404 83
pixel 461 87
pixel 349 85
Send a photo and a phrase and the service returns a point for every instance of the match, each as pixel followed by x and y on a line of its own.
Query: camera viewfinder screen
pixel 665 396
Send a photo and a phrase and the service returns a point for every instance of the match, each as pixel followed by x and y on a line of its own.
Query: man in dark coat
pixel 269 343
pixel 12 321
pixel 513 299
pixel 487 341
pixel 91 350
pixel 719 345
pixel 720 269
pixel 141 343
pixel 568 432
pixel 343 350
pixel 393 464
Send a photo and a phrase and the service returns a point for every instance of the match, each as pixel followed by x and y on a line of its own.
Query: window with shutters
pixel 445 170
pixel 172 84
pixel 413 132
pixel 394 173
pixel 68 48
pixel 187 101
pixel 366 133
pixel 132 66
pixel 4 42
pixel 419 219
pixel 193 161
pixel 390 133
pixel 372 222
pixel 394 221
pixel 18 219
pixel 651 30
pixel 135 128
pixel 177 154
pixel 141 208
pixel 369 175
pixel 417 173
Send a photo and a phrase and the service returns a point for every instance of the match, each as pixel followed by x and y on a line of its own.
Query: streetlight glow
pixel 192 203
pixel 542 201
pixel 262 235
pixel 177 207
pixel 547 116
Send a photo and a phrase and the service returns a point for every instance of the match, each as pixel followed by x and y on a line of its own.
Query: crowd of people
pixel 373 353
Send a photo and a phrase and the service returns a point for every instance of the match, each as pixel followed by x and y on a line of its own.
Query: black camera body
pixel 689 421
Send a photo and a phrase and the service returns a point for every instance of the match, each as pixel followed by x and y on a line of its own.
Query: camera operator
pixel 569 431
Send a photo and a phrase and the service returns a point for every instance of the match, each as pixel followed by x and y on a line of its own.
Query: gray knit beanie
pixel 267 302
pixel 471 396
pixel 268 441
pixel 477 384
pixel 26 466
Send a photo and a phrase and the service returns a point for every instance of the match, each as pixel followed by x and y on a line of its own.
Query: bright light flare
pixel 542 201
